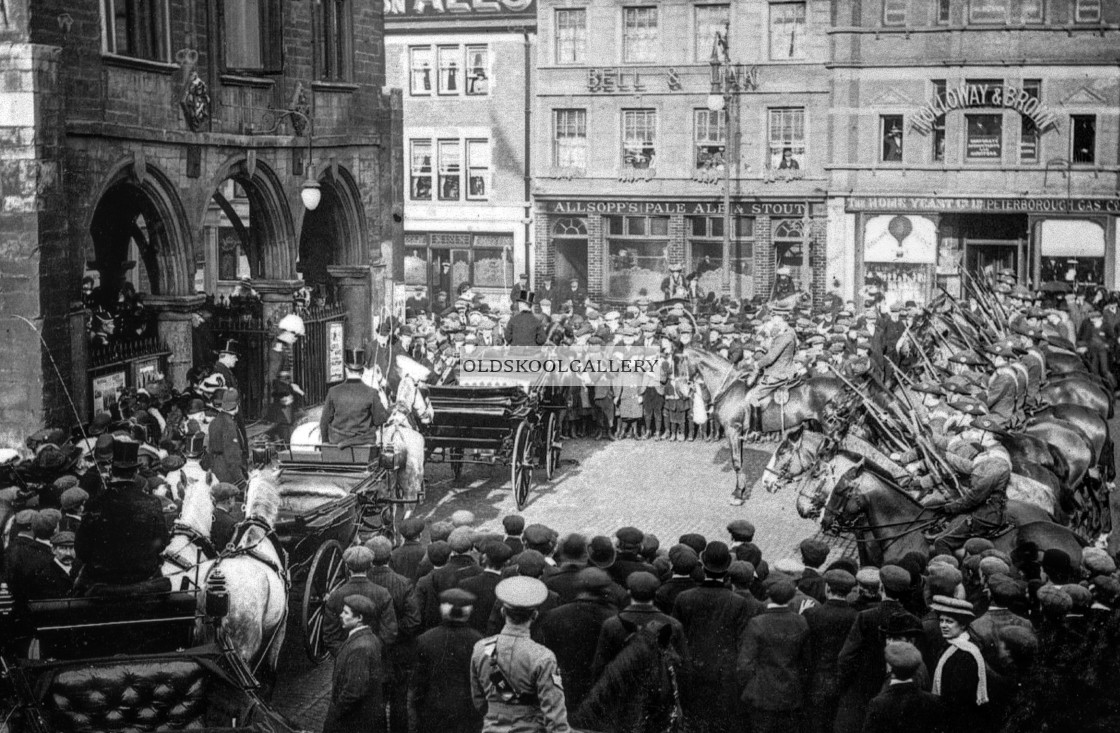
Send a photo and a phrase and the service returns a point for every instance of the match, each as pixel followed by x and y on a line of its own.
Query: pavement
pixel 663 488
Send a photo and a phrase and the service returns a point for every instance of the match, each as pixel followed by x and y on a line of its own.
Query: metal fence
pixel 311 354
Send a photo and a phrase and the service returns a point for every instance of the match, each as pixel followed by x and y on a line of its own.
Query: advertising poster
pixel 107 389
pixel 335 351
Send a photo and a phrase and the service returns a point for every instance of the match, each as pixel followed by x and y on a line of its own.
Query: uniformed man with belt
pixel 515 682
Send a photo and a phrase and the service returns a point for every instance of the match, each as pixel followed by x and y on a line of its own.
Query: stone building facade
pixel 125 125
pixel 631 148
pixel 982 133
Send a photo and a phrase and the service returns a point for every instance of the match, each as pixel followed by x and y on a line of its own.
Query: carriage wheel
pixel 325 573
pixel 552 446
pixel 521 463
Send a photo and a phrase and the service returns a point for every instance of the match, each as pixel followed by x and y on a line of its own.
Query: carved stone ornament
pixel 300 103
pixel 195 102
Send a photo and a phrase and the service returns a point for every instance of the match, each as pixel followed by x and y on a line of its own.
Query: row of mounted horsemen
pixel 842 440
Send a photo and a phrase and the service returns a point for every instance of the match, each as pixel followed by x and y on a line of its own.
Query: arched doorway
pixel 330 236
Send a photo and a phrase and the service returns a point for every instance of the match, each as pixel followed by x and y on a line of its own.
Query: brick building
pixel 134 133
pixel 466 71
pixel 630 152
pixel 974 132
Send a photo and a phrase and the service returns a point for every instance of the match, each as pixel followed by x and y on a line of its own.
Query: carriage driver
pixel 776 367
pixel 353 412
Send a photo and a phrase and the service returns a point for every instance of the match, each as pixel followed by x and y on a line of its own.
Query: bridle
pixel 194 537
pixel 837 523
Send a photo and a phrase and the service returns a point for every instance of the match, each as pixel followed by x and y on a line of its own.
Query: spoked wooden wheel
pixel 326 572
pixel 521 464
pixel 552 446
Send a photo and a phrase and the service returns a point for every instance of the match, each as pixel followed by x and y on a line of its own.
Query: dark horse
pixel 888 522
pixel 808 403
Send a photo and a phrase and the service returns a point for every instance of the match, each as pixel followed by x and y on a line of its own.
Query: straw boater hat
pixel 412 368
pixel 958 609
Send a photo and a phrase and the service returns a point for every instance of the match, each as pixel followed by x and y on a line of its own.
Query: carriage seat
pixel 129 695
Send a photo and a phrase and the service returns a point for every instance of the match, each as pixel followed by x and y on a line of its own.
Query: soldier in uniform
pixel 775 367
pixel 1005 393
pixel 353 412
pixel 515 682
pixel 524 329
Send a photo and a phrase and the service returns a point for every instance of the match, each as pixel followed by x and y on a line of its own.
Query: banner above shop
pixel 981 95
pixel 458 9
pixel 979 205
pixel 688 208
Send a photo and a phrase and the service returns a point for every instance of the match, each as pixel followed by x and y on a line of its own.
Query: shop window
pixel 710 20
pixel 787 138
pixel 571 35
pixel 787 31
pixel 416 265
pixel 943 8
pixel 252 35
pixel 335 40
pixel 136 28
pixel 1083 132
pixel 492 261
pixel 1072 251
pixel 639 138
pixel 894 12
pixel 421 178
pixel 711 139
pixel 420 61
pixel 450 170
pixel 706 255
pixel 937 131
pixel 890 129
pixel 1087 11
pixel 637 249
pixel 569 138
pixel 478 169
pixel 639 35
pixel 1030 138
pixel 478 70
pixel 450 67
pixel 984 137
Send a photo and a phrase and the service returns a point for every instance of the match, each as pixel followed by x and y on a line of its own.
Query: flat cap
pixel 943 579
pixel 1004 590
pixel 947 559
pixel 630 537
pixel 65 483
pixel 992 566
pixel 357 559
pixel 789 566
pixel 1053 600
pixel 513 524
pixel 1097 562
pixel 499 553
pixel 592 580
pixel 869 578
pixel 457 598
pixel 438 552
pixel 642 584
pixel 412 528
pixel 574 547
pixel 840 582
pixel 741 572
pixel 521 592
pixel 1080 596
pixel 894 578
pixel 25 518
pixel 531 563
pixel 380 547
pixel 683 559
pixel 537 534
pixel 903 657
pixel 781 591
pixel 813 552
pixel 461 539
pixel 696 541
pixel 223 492
pixel 976 545
pixel 73 498
pixel 741 530
pixel 462 518
pixel 63 539
pixel 361 605
pixel 45 523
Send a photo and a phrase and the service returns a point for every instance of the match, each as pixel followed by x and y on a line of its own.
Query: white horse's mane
pixel 262 500
pixel 198 508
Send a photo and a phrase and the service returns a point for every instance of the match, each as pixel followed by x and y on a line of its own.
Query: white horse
pixel 400 438
pixel 188 556
pixel 255 578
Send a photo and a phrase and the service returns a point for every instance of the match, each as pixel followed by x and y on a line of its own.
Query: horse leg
pixel 735 442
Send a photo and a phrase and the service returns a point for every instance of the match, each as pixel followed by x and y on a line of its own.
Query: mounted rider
pixel 776 367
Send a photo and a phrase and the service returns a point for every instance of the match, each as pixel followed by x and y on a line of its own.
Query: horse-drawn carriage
pixel 112 663
pixel 497 425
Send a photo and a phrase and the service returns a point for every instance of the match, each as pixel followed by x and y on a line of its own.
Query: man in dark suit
pixel 437 553
pixel 482 585
pixel 860 667
pixel 460 566
pixel 353 411
pixel 714 619
pixel 642 587
pixel 572 632
pixel 439 693
pixel 829 624
pixel 774 664
pixel 628 558
pixel 382 618
pixel 401 655
pixel 226 363
pixel 573 558
pixel 524 329
pixel 356 704
pixel 28 558
pixel 406 557
pixel 225 498
pixel 227 444
pixel 903 707
pixel 683 562
pixel 519 289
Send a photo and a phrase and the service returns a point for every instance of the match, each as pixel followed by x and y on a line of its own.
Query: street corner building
pixel 164 159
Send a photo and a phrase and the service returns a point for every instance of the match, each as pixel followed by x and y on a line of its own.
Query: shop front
pixel 620 251
pixel 909 246
pixel 437 263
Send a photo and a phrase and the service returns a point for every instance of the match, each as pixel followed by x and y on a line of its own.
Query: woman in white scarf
pixel 961 677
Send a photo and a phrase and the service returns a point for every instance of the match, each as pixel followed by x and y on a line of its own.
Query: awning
pixel 1071 238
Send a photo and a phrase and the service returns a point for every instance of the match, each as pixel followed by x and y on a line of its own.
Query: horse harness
pixel 195 538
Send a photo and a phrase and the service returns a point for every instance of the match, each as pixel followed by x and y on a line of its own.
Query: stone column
pixel 354 286
pixel 173 314
pixel 276 298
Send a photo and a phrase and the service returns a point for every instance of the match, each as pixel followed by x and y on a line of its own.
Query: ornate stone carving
pixel 300 103
pixel 195 102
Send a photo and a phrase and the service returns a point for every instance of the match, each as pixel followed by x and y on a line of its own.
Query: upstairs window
pixel 787 138
pixel 1029 138
pixel 571 36
pixel 1083 132
pixel 252 36
pixel 711 139
pixel 336 41
pixel 943 9
pixel 478 70
pixel 450 170
pixel 639 138
pixel 710 19
pixel 478 169
pixel 1087 11
pixel 138 29
pixel 420 63
pixel 894 12
pixel 450 66
pixel 569 138
pixel 421 183
pixel 890 128
pixel 787 31
pixel 639 35
pixel 937 133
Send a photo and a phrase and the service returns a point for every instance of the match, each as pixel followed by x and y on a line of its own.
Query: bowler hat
pixel 716 557
pixel 601 552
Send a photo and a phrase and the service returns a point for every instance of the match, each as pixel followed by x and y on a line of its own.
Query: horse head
pixel 262 499
pixel 845 505
pixel 798 453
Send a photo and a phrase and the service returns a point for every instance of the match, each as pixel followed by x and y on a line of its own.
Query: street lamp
pixel 719 100
pixel 302 118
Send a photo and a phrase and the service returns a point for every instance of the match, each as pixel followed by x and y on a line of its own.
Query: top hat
pixel 230 347
pixel 355 359
pixel 525 297
pixel 125 455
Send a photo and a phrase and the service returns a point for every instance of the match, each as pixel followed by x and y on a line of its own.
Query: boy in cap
pixel 356 698
pixel 903 707
pixel 514 525
pixel 225 497
pixel 515 682
pixel 381 617
pixel 439 692
pixel 642 587
pixel 406 557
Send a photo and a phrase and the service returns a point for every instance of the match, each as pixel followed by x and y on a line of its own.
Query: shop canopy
pixel 1071 238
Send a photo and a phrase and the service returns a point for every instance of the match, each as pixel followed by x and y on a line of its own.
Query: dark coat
pixel 351 414
pixel 405 559
pixel 356 703
pixel 228 452
pixel 384 620
pixel 563 582
pixel 903 708
pixel 53 581
pixel 28 561
pixel 524 329
pixel 959 677
pixel 439 693
pixel 616 631
pixel 666 595
pixel 227 374
pixel 812 585
pixel 861 669
pixel 829 624
pixel 122 536
pixel 572 633
pixel 775 660
pixel 221 531
pixel 627 563
pixel 482 586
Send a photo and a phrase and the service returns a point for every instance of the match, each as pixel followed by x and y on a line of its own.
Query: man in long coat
pixel 439 694
pixel 353 411
pixel 227 444
pixel 356 701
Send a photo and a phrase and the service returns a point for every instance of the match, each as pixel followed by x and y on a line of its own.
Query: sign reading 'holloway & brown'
pixel 983 95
